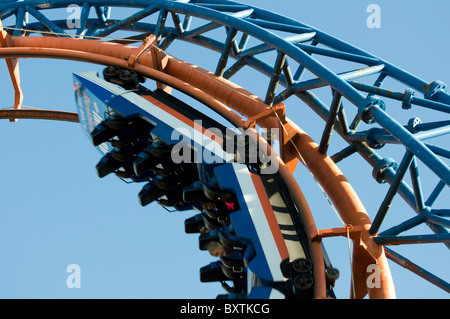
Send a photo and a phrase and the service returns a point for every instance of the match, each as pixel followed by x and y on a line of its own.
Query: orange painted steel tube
pixel 305 212
pixel 347 204
pixel 39 114
pixel 13 68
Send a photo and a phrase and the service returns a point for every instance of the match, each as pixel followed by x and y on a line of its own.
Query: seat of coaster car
pixel 230 241
pixel 233 273
pixel 236 265
pixel 211 223
pixel 242 249
pixel 217 271
pixel 209 183
pixel 199 222
pixel 152 192
pixel 234 261
pixel 119 128
pixel 174 204
pixel 194 224
pixel 157 157
pixel 193 192
pixel 204 239
pixel 212 272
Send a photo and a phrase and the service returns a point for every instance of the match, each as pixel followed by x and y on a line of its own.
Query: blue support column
pixel 386 204
pixel 19 21
pixel 411 143
pixel 326 135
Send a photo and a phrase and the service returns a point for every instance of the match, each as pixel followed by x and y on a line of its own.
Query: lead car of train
pixel 245 219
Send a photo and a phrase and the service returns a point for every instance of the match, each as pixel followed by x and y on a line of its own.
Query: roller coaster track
pixel 285 51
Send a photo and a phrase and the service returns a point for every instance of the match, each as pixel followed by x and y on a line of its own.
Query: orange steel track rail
pixel 39 114
pixel 13 68
pixel 231 101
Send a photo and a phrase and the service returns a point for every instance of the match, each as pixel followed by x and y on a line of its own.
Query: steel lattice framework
pixel 297 59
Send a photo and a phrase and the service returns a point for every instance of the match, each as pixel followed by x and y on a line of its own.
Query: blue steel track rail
pixel 242 34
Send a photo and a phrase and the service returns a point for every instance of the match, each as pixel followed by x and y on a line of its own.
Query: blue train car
pixel 245 219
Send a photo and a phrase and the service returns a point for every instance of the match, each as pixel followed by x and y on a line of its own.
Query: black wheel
pixel 111 72
pixel 332 274
pixel 167 183
pixel 303 282
pixel 129 78
pixel 164 172
pixel 302 266
pixel 120 143
pixel 162 151
pixel 124 174
pixel 123 156
pixel 117 123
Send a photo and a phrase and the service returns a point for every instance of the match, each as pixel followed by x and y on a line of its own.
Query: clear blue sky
pixel 55 211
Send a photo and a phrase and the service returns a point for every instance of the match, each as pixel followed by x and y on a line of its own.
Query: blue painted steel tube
pixel 84 18
pixel 337 44
pixel 404 226
pixel 19 21
pixel 258 49
pixel 386 204
pixel 382 138
pixel 441 212
pixel 279 44
pixel 223 7
pixel 275 79
pixel 438 220
pixel 239 64
pixel 317 83
pixel 200 30
pixel 375 160
pixel 407 194
pixel 433 105
pixel 100 14
pixel 280 26
pixel 160 24
pixel 300 56
pixel 326 135
pixel 414 172
pixel 226 50
pixel 339 54
pixel 7 13
pixel 411 143
pixel 439 150
pixel 265 47
pixel 413 239
pixel 45 21
pixel 431 125
pixel 440 131
pixel 344 153
pixel 404 262
pixel 133 18
pixel 437 106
